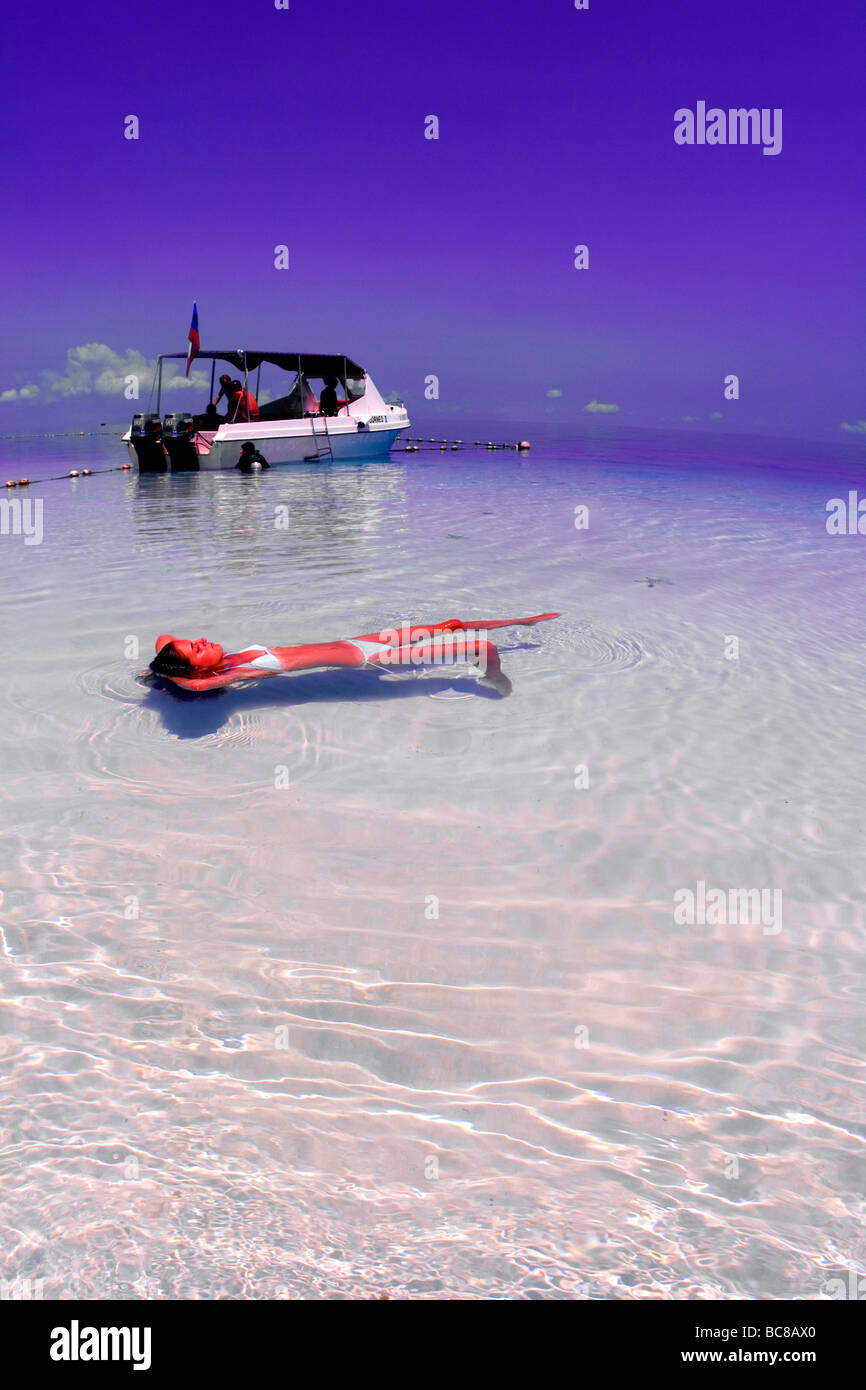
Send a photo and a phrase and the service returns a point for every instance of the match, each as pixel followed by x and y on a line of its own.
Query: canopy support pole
pixel 159 389
pixel 246 379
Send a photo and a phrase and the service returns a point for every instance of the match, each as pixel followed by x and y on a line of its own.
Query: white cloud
pixel 717 415
pixel 22 393
pixel 553 394
pixel 599 408
pixel 96 369
pixel 200 381
pixel 859 427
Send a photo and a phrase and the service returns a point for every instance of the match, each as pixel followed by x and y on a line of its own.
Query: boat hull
pixel 279 443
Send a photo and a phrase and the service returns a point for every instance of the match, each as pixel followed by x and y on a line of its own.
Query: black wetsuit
pixel 246 461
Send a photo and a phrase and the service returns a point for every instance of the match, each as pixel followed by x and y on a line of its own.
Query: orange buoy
pixel 73 473
pixel 23 482
pixel 453 447
pixel 524 444
pixel 11 483
pixel 126 467
pixel 86 472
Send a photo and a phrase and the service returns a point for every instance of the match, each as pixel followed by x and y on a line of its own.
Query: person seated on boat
pixel 328 403
pixel 210 420
pixel 243 405
pixel 251 460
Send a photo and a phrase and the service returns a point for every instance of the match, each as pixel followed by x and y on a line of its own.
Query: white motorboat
pixel 292 428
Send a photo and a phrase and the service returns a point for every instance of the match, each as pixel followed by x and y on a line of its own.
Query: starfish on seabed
pixel 652 582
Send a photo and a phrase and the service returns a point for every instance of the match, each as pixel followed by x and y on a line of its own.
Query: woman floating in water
pixel 203 665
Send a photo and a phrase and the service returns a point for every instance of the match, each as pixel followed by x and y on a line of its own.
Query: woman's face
pixel 202 654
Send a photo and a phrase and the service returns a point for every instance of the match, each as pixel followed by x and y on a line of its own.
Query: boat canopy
pixel 316 364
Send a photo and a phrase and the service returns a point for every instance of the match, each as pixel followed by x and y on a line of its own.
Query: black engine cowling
pixel 178 434
pixel 146 440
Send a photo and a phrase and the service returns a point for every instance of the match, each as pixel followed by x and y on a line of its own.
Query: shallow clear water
pixel 421 1021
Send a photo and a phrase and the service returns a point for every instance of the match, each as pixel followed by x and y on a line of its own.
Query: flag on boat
pixel 194 343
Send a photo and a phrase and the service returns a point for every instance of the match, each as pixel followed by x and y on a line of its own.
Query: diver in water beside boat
pixel 202 665
pixel 251 460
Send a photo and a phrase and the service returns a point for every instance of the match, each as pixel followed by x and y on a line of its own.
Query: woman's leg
pixel 447 649
pixel 413 632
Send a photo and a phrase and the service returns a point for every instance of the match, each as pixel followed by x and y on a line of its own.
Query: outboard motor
pixel 146 440
pixel 178 433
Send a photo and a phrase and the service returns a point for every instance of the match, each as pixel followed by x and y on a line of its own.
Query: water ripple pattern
pixel 352 983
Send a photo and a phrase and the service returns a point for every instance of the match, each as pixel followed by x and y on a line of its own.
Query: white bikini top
pixel 267 661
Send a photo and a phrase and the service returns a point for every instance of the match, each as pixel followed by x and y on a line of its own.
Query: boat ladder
pixel 322 440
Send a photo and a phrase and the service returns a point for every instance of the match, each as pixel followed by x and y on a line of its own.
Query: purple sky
pixel 453 257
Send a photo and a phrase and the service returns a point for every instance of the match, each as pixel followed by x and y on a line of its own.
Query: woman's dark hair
pixel 169 662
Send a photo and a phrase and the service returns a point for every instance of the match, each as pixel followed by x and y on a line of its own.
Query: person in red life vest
pixel 204 665
pixel 243 405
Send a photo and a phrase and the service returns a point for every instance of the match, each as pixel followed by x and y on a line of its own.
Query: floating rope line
pixel 408 448
pixel 73 473
pixel 417 447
